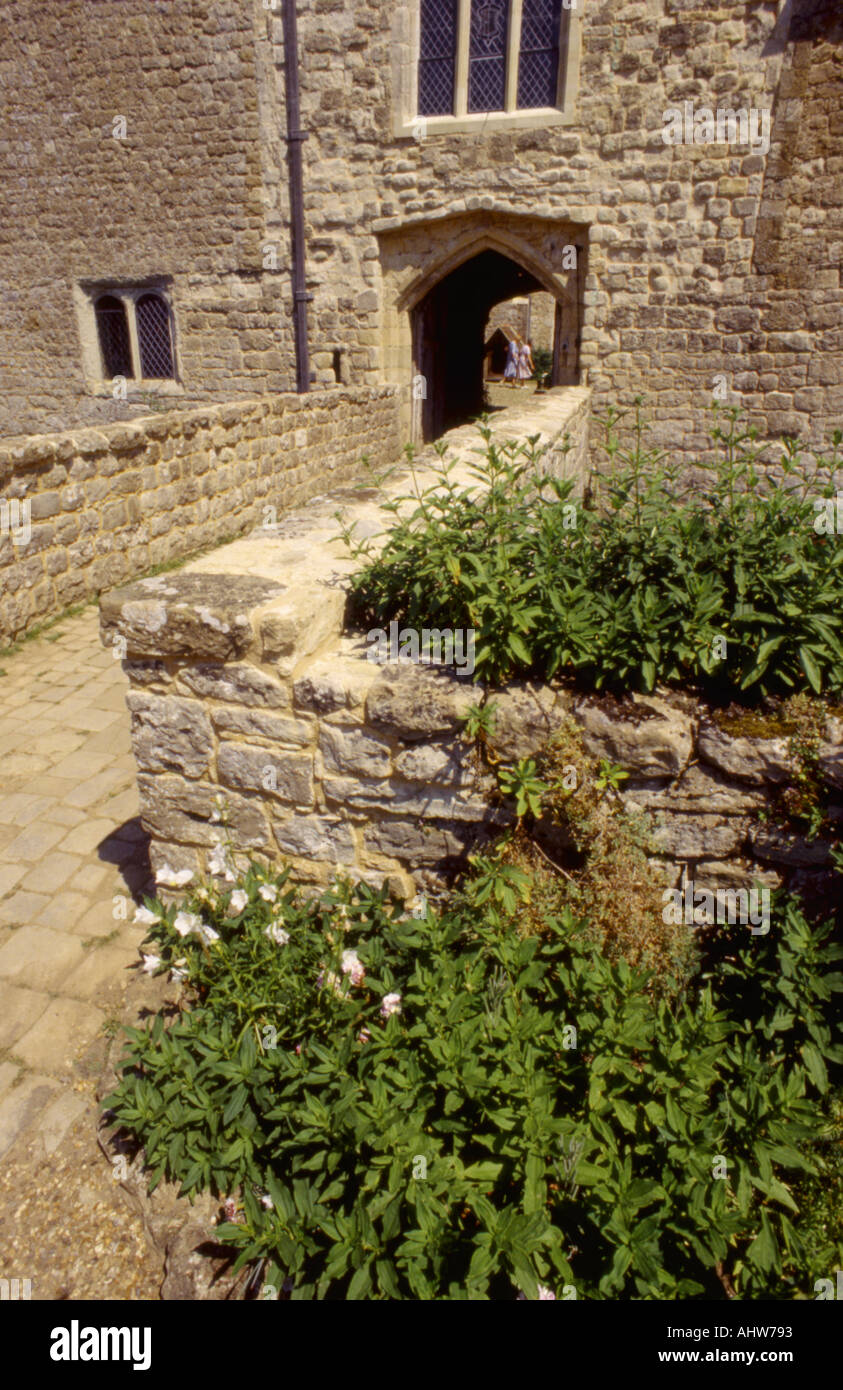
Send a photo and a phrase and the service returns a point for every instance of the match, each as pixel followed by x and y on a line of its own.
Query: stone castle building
pixel 459 154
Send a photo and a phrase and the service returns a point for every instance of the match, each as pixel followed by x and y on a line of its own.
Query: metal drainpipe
pixel 295 136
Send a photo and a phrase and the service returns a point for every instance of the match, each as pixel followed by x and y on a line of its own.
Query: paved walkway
pixel 72 853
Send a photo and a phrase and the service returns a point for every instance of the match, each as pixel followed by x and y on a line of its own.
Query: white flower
pixel 237 902
pixel 186 922
pixel 266 1201
pixel 277 934
pixel 218 864
pixel 545 1293
pixel 172 878
pixel 268 892
pixel 145 918
pixel 151 964
pixel 390 1004
pixel 179 972
pixel 207 934
pixel 352 965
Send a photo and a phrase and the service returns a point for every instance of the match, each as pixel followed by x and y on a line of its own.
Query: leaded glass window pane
pixel 538 65
pixel 437 58
pixel 156 350
pixel 487 55
pixel 113 333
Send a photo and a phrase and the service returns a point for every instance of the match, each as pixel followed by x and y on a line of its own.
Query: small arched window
pixel 155 342
pixel 113 333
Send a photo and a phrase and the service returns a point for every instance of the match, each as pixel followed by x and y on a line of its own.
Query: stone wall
pixel 178 193
pixel 699 261
pixel 353 766
pixel 242 683
pixel 243 686
pixel 678 283
pixel 106 505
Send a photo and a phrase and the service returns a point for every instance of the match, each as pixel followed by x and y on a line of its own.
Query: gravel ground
pixel 65 1225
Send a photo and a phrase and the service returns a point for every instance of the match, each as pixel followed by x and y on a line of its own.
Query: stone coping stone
pixel 185 614
pixel 280 590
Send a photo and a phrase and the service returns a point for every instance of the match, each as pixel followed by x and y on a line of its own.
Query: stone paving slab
pixel 72 853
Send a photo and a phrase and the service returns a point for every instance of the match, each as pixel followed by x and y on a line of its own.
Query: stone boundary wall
pixel 243 686
pixel 242 682
pixel 107 504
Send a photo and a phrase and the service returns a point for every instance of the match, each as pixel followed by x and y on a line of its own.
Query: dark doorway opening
pixel 449 339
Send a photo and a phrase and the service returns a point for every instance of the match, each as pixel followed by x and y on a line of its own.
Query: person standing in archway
pixel 526 365
pixel 510 371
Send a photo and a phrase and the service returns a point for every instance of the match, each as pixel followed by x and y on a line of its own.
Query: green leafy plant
pixel 522 783
pixel 714 577
pixel 609 775
pixel 473 1105
pixel 542 365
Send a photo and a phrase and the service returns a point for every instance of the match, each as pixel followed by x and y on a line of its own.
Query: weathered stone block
pixel 734 873
pixel 447 765
pixel 176 812
pixel 698 837
pixel 289 777
pixel 408 800
pixel 169 734
pixel 315 837
pixel 236 684
pixel 335 683
pixel 186 614
pixel 418 844
pixel 831 753
pixel 650 736
pixel 414 702
pixel 524 719
pixel 352 752
pixel 753 760
pixel 253 723
pixel 781 847
pixel 305 619
pixel 698 791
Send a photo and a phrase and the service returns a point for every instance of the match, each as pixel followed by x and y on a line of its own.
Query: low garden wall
pixel 88 509
pixel 242 683
pixel 244 687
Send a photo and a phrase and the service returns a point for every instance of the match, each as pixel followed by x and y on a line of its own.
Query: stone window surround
pixel 85 295
pixel 405 49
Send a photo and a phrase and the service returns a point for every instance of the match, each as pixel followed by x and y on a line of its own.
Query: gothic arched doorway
pixel 448 328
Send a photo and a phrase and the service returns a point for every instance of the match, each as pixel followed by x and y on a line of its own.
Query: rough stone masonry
pixel 244 687
pixel 699 261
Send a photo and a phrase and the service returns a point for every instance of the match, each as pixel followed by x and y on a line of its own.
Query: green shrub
pixel 463 1106
pixel 543 363
pixel 723 583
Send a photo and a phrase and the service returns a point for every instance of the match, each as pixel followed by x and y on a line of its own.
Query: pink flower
pixel 298 1049
pixel 364 1036
pixel 390 1004
pixel 353 966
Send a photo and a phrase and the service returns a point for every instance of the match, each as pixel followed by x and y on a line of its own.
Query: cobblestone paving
pixel 72 853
